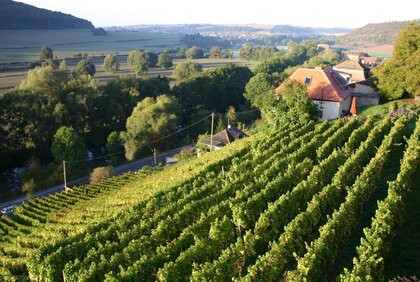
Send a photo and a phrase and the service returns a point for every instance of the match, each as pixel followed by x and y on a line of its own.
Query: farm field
pixel 244 212
pixel 381 51
pixel 11 78
pixel 24 45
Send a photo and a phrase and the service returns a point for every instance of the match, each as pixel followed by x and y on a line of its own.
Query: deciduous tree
pixel 215 52
pixel 291 106
pixel 187 70
pixel 86 67
pixel 194 52
pixel 111 63
pixel 45 53
pixel 165 61
pixel 151 119
pixel 399 76
pixel 68 145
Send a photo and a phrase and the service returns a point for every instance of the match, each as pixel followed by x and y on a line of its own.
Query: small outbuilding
pixel 223 138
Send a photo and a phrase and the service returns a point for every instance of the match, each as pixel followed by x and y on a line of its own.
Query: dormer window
pixel 308 80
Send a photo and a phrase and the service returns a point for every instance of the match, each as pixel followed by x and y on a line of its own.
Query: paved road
pixel 131 166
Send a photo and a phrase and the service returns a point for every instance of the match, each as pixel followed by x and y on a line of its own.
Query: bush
pixel 101 173
pixel 29 188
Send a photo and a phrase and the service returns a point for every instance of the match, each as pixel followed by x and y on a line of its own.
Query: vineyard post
pixel 64 174
pixel 211 135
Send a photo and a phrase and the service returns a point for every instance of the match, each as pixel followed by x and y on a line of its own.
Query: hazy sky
pixel 314 13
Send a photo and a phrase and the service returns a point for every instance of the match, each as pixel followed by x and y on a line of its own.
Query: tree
pixel 63 65
pixel 165 61
pixel 68 145
pixel 111 63
pixel 151 119
pixel 271 66
pixel 186 70
pixel 326 58
pixel 114 145
pixel 258 85
pixel 99 32
pixel 231 115
pixel 216 89
pixel 291 106
pixel 220 124
pixel 228 54
pixel 139 61
pixel 246 52
pixel 46 53
pixel 86 67
pixel 29 188
pixel 151 58
pixel 194 52
pixel 399 77
pixel 215 52
pixel 181 53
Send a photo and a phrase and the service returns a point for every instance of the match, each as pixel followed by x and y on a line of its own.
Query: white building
pixel 328 88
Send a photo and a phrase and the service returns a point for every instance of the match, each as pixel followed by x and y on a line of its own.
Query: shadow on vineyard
pixel 348 252
pixel 403 258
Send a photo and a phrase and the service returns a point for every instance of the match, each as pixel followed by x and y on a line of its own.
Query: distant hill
pixel 299 30
pixel 374 33
pixel 209 29
pixel 16 15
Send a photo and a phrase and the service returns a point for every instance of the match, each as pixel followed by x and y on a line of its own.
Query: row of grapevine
pixel 180 264
pixel 95 240
pixel 241 176
pixel 243 252
pixel 280 256
pixel 369 264
pixel 334 233
pixel 60 225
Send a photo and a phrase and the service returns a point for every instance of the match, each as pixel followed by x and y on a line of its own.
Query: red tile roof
pixel 371 60
pixel 324 84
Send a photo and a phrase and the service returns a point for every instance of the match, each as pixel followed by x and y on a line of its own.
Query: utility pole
pixel 211 136
pixel 154 155
pixel 64 173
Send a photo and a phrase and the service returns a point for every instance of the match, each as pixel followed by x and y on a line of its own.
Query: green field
pixel 24 45
pixel 10 79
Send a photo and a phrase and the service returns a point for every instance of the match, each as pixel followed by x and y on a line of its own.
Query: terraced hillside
pixel 283 204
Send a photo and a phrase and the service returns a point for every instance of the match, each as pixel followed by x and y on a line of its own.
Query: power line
pixel 150 143
pixel 155 141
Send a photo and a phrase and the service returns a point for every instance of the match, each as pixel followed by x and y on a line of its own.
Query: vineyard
pixel 278 205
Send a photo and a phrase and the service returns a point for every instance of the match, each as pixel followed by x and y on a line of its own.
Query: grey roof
pixel 225 137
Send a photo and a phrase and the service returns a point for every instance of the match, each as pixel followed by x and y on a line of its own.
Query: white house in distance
pixel 328 88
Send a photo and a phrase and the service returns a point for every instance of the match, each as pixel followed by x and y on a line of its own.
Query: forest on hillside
pixel 16 15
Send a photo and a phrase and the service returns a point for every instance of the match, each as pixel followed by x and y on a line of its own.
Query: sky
pixel 329 13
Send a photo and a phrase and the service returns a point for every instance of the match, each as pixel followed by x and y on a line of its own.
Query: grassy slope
pixel 383 109
pixel 374 33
